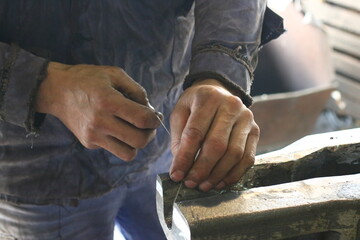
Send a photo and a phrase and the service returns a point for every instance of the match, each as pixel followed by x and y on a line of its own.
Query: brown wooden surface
pixel 335 16
pixel 347 65
pixel 349 102
pixel 352 4
pixel 343 41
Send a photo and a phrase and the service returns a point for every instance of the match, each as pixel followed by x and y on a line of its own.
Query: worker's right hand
pixel 101 105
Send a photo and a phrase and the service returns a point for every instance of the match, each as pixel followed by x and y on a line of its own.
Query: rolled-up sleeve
pixel 20 76
pixel 226 43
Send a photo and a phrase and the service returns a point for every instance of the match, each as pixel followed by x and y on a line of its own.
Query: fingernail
pixel 177 176
pixel 221 185
pixel 190 184
pixel 205 186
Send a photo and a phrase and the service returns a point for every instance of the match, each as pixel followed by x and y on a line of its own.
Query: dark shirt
pixel 41 161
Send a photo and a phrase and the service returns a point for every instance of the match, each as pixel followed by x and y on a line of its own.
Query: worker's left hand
pixel 209 118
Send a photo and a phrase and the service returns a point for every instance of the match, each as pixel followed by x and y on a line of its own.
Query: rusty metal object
pixel 317 208
pixel 284 118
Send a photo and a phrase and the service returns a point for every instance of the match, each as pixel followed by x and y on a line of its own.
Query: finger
pixel 127 133
pixel 247 161
pixel 118 148
pixel 136 114
pixel 234 154
pixel 178 120
pixel 126 85
pixel 192 137
pixel 213 147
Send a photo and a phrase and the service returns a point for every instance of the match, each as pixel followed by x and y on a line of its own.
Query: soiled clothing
pixel 92 219
pixel 41 161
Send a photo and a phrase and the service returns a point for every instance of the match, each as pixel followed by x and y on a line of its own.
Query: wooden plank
pixel 344 41
pixel 353 4
pixel 349 88
pixel 335 16
pixel 348 101
pixel 346 65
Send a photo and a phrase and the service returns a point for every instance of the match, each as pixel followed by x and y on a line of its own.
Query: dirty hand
pixel 208 117
pixel 101 105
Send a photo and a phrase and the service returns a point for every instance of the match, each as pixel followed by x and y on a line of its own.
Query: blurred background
pixel 308 80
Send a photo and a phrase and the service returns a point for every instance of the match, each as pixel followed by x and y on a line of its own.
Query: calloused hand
pixel 211 120
pixel 101 105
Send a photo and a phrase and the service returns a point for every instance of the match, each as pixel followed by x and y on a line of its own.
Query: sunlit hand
pixel 209 118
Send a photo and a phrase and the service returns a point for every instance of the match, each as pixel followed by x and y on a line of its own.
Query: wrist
pixel 211 82
pixel 50 88
pixel 219 80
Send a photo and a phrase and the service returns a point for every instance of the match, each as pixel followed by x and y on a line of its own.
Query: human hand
pixel 101 105
pixel 208 117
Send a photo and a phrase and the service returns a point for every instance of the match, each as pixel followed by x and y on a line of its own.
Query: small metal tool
pixel 163 124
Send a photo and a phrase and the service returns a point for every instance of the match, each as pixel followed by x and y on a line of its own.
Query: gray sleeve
pixel 20 77
pixel 226 43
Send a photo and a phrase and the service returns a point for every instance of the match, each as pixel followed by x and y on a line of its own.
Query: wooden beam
pixel 346 65
pixel 344 41
pixel 341 18
pixel 347 102
pixel 353 4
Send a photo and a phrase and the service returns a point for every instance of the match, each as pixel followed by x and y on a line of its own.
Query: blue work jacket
pixel 159 43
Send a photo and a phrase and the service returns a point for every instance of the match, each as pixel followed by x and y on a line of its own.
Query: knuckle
pixel 236 152
pixel 177 116
pixel 95 124
pixel 129 155
pixel 115 70
pixel 102 102
pixel 199 175
pixel 139 144
pixel 217 145
pixel 175 147
pixel 206 94
pixel 88 144
pixel 183 160
pixel 174 116
pixel 234 102
pixel 255 130
pixel 193 134
pixel 144 120
pixel 144 140
pixel 213 180
pixel 249 160
pixel 231 180
pixel 205 91
pixel 142 92
pixel 248 114
pixel 89 136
